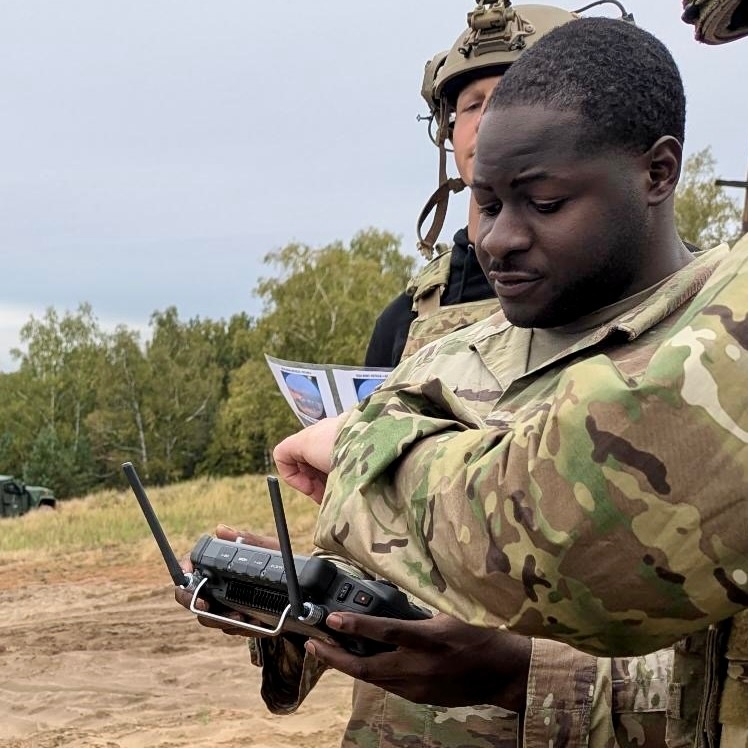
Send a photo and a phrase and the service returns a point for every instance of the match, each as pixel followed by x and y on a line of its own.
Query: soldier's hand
pixel 183 597
pixel 440 661
pixel 305 458
pixel 224 532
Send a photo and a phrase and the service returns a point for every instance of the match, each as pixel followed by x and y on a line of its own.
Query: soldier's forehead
pixel 526 135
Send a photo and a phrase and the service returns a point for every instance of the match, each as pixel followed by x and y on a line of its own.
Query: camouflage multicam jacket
pixel 597 500
pixel 573 698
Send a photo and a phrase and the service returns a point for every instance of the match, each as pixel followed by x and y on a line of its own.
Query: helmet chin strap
pixel 438 203
pixel 439 200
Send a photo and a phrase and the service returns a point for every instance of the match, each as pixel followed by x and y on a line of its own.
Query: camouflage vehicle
pixel 17 498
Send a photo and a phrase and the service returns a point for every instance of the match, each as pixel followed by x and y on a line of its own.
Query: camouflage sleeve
pixel 561 695
pixel 288 672
pixel 611 516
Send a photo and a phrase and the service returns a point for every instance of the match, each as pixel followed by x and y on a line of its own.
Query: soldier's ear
pixel 663 162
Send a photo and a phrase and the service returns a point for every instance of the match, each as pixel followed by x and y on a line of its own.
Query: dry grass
pixel 112 519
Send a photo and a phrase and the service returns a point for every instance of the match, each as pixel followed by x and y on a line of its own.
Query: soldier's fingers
pixel 378 669
pixel 224 625
pixel 248 538
pixel 238 631
pixel 186 563
pixel 398 633
pixel 184 597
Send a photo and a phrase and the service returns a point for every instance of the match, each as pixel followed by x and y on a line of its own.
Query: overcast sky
pixel 154 150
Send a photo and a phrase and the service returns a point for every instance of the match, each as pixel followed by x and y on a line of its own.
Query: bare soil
pixel 95 652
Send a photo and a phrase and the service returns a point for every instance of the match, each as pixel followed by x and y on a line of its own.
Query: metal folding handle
pixel 312 614
pixel 241 624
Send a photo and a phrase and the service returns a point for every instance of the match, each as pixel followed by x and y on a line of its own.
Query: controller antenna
pixel 179 577
pixel 281 527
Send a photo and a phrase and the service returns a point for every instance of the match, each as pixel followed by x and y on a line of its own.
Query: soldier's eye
pixel 491 210
pixel 547 207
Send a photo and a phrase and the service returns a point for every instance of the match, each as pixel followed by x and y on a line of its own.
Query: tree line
pixel 198 397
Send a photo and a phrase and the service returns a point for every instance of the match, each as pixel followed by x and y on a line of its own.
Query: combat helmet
pixel 497 34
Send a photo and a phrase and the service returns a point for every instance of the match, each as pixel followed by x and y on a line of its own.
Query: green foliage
pixel 157 404
pixel 252 419
pixel 66 466
pixel 198 397
pixel 185 391
pixel 322 305
pixel 704 213
pixel 320 308
pixel 17 431
pixel 50 395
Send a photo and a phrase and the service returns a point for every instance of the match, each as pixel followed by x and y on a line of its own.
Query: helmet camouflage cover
pixel 717 21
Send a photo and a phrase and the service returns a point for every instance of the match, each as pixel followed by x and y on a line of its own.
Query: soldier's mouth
pixel 510 285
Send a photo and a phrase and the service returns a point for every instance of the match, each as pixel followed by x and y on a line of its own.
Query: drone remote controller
pixel 283 592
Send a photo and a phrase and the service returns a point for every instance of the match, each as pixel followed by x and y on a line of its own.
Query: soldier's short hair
pixel 622 80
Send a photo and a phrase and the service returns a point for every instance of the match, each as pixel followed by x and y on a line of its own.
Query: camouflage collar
pixel 676 291
pixel 505 348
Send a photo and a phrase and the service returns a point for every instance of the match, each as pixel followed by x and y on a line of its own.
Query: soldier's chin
pixel 466 170
pixel 541 316
pixel 522 315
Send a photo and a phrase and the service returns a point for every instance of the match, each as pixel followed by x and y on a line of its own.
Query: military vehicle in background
pixel 16 498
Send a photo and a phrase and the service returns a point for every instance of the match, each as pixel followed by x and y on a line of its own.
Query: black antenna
pixel 179 577
pixel 292 581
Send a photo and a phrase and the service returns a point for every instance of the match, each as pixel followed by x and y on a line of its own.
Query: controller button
pixel 273 571
pixel 259 561
pixel 224 557
pixel 345 590
pixel 362 598
pixel 239 564
pixel 212 550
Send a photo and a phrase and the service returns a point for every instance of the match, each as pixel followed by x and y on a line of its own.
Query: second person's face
pixel 469 108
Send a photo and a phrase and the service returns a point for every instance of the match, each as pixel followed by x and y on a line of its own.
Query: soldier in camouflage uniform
pixel 451 291
pixel 583 482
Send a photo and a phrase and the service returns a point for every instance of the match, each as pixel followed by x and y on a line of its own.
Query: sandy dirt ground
pixel 95 652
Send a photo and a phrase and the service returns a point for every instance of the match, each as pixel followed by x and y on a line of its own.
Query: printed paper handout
pixel 315 391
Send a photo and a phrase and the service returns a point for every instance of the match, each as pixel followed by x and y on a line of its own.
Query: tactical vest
pixel 434 320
